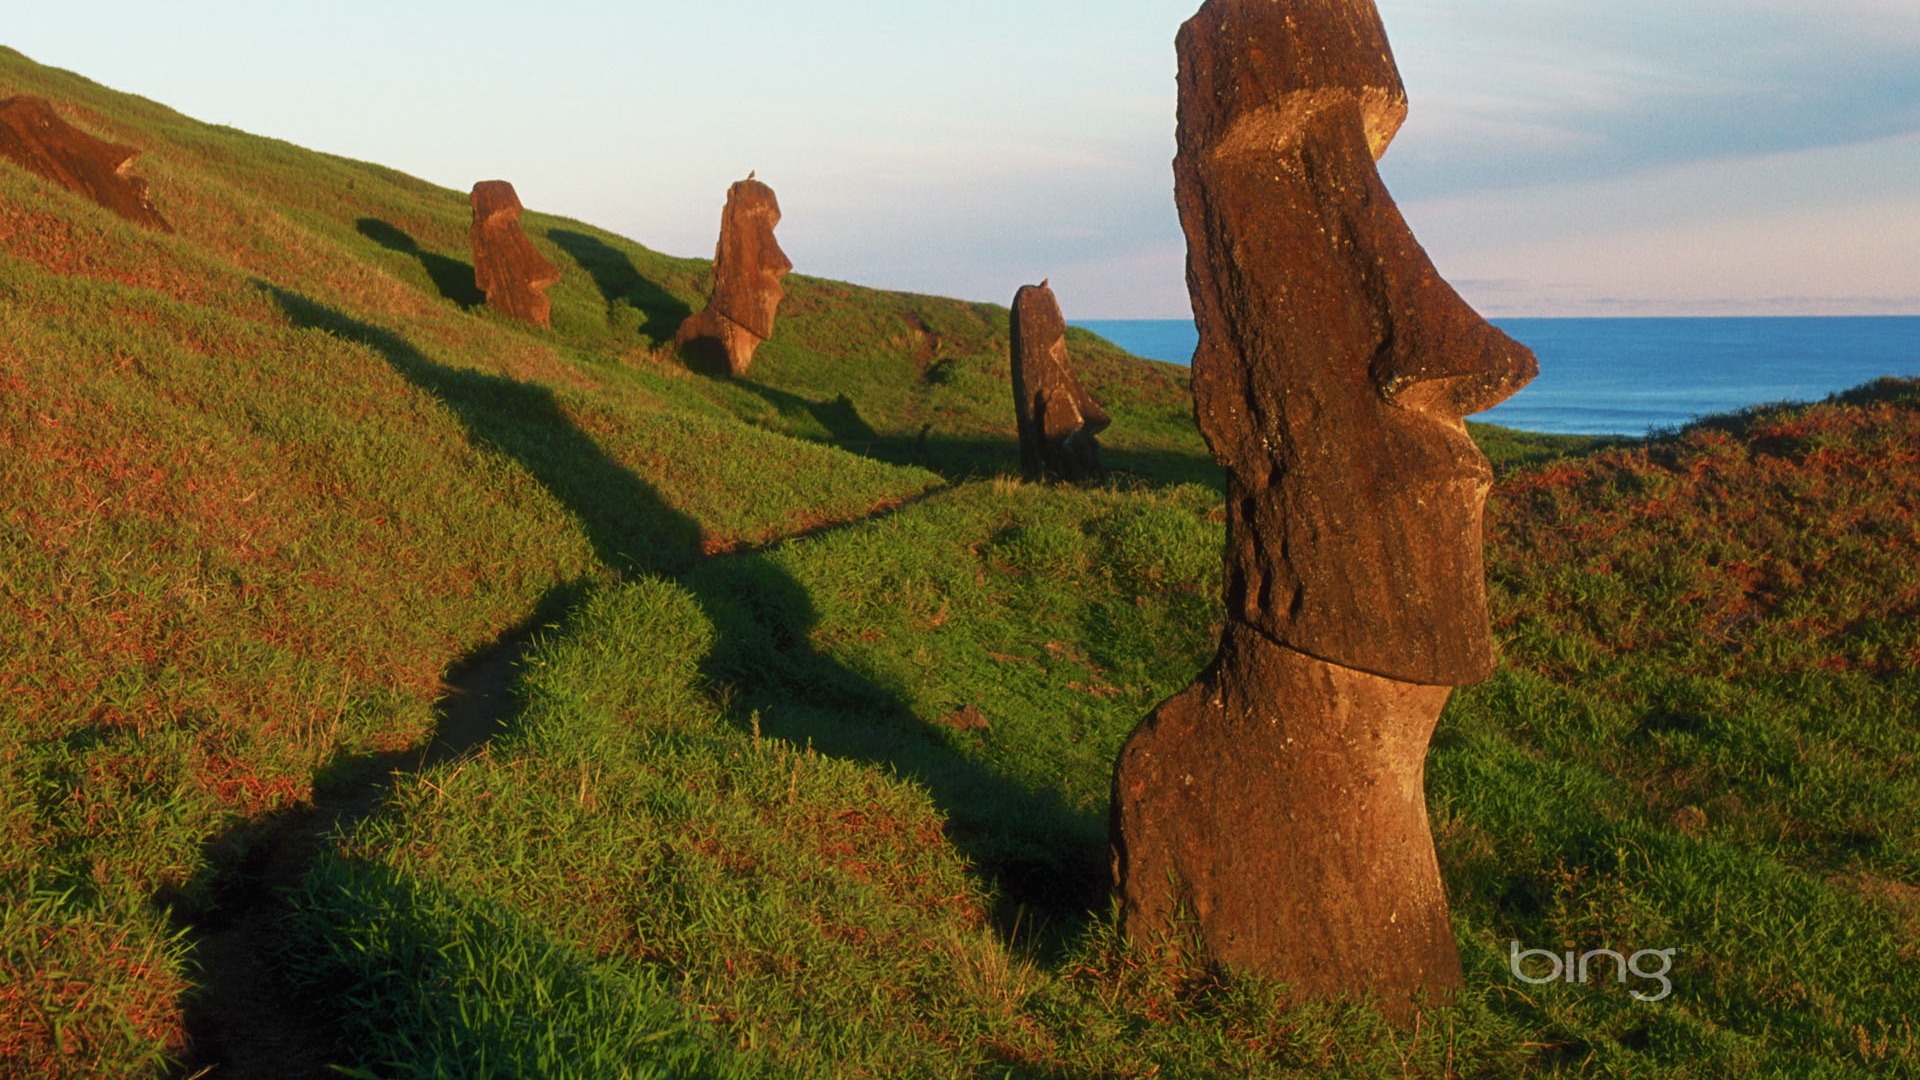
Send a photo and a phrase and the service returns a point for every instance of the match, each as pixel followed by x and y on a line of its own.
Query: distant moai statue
pixel 1280 800
pixel 34 137
pixel 513 275
pixel 1056 418
pixel 747 267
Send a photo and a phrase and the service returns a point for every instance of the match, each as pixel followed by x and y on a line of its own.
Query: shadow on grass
pixel 452 982
pixel 633 530
pixel 706 356
pixel 958 458
pixel 955 459
pixel 840 418
pixel 1048 860
pixel 242 1018
pixel 614 275
pixel 453 278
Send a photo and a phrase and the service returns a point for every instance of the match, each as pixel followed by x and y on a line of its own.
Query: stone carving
pixel 1057 419
pixel 33 136
pixel 747 267
pixel 514 276
pixel 1280 801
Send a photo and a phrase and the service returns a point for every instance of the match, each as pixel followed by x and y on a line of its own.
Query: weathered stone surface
pixel 1056 418
pixel 33 136
pixel 1334 364
pixel 1280 797
pixel 506 267
pixel 1279 803
pixel 747 267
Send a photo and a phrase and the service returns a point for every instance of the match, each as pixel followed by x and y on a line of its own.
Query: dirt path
pixel 241 1023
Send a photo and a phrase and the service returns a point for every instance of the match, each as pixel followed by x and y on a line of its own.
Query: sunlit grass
pixel 808 774
pixel 981 654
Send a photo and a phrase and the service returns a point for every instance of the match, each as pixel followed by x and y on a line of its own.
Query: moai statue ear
pixel 1060 417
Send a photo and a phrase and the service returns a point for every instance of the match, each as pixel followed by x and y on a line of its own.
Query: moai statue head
pixel 1056 418
pixel 34 137
pixel 748 264
pixel 1335 365
pixel 747 267
pixel 513 275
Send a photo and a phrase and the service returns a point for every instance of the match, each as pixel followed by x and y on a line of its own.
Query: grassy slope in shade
pixel 836 807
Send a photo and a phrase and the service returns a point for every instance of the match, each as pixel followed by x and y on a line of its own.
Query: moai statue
pixel 514 276
pixel 747 267
pixel 1273 815
pixel 34 137
pixel 1056 418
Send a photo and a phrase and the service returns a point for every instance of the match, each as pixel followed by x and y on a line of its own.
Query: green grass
pixel 1656 793
pixel 807 769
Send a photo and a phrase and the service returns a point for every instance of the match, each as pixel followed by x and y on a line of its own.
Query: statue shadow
pixel 632 529
pixel 961 458
pixel 706 356
pixel 241 1016
pixel 1164 468
pixel 953 458
pixel 840 418
pixel 1046 859
pixel 451 277
pixel 613 273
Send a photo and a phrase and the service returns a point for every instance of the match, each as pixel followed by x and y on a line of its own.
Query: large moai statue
pixel 747 267
pixel 34 137
pixel 1273 815
pixel 1056 418
pixel 514 276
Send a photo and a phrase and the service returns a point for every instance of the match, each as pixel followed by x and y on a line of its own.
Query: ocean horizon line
pixel 1634 374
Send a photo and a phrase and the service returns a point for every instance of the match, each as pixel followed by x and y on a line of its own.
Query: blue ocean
pixel 1627 376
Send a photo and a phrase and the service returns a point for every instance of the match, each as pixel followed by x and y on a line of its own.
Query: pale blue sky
pixel 1698 156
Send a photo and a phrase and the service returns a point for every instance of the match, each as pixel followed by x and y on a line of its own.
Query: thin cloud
pixel 1537 93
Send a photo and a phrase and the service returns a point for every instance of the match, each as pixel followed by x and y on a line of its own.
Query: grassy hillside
pixel 808 707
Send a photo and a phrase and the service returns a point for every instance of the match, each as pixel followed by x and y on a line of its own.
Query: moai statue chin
pixel 747 267
pixel 1279 802
pixel 1056 418
pixel 506 267
pixel 34 137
